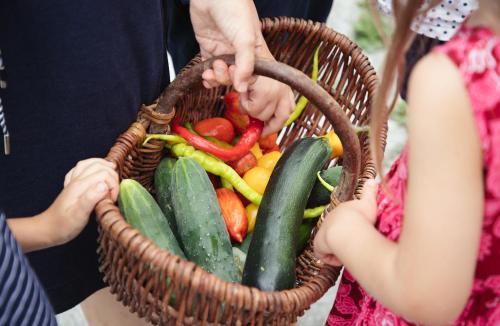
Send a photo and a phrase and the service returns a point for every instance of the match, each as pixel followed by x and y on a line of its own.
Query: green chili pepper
pixel 218 142
pixel 216 166
pixel 302 103
pixel 314 212
pixel 189 126
pixel 325 184
pixel 172 139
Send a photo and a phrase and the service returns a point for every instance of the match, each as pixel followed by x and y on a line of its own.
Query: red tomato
pixel 234 214
pixel 244 164
pixel 269 141
pixel 233 113
pixel 219 128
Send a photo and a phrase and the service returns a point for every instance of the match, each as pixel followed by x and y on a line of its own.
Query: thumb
pixel 245 60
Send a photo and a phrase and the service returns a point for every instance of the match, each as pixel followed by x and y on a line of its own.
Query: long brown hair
pixel 404 12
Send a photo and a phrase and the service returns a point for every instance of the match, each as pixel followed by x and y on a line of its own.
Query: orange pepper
pixel 257 178
pixel 234 214
pixel 335 143
pixel 269 160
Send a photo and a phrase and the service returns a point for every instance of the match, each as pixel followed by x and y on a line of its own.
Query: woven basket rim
pixel 150 253
pixel 249 298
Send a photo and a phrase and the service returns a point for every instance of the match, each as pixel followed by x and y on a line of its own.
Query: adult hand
pixel 228 26
pixel 232 26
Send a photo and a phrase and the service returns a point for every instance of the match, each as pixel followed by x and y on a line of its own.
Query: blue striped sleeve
pixel 22 299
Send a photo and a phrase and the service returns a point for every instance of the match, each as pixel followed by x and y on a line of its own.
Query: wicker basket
pixel 137 270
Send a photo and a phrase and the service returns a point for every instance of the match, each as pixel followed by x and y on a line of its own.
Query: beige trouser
pixel 102 309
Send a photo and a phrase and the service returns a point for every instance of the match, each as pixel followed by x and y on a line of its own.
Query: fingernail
pixel 101 187
pixel 371 182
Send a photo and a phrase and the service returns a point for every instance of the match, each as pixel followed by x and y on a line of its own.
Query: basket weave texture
pixel 145 277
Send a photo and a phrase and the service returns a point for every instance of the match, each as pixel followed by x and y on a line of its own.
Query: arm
pixel 85 185
pixel 32 233
pixel 427 276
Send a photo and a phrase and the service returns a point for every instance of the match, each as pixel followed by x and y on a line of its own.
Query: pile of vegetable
pixel 229 200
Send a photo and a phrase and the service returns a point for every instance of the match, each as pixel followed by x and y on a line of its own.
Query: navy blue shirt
pixel 76 73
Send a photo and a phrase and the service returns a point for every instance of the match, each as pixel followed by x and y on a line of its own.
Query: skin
pixel 232 26
pixel 426 277
pixel 85 185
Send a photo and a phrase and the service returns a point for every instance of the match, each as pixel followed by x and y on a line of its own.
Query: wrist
pixel 49 231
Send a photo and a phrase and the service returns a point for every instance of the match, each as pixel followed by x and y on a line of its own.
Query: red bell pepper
pixel 249 137
pixel 238 119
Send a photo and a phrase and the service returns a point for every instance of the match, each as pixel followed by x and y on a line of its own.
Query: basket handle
pixel 296 79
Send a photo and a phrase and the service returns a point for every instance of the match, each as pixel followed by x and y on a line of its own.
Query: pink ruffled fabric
pixel 476 52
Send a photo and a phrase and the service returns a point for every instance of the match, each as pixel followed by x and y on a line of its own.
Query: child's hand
pixel 344 218
pixel 84 186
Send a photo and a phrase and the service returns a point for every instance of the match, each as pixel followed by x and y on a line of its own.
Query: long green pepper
pixel 302 102
pixel 215 166
pixel 219 168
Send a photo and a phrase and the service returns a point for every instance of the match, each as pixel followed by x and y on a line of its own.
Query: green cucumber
pixel 199 220
pixel 305 230
pixel 270 263
pixel 142 212
pixel 162 182
pixel 319 194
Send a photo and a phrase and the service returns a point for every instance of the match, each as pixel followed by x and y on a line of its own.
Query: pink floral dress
pixel 476 52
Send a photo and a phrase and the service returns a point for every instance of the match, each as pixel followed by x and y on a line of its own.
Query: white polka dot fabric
pixel 442 21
